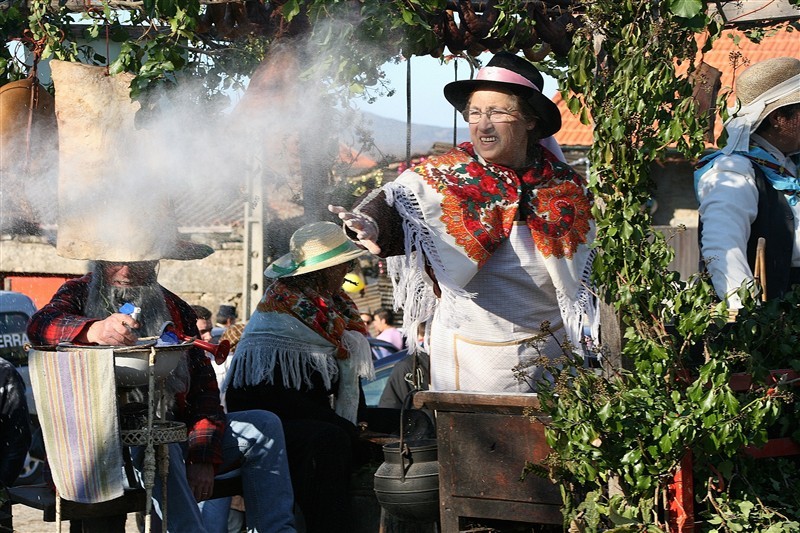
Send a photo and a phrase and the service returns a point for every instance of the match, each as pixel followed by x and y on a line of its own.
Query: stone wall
pixel 209 282
pixel 35 255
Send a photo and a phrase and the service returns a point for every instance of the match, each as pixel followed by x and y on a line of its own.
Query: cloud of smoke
pixel 128 176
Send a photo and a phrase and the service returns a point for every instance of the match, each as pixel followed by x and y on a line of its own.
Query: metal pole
pixel 253 262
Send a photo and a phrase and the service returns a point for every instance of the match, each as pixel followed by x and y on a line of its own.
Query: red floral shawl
pixel 328 317
pixel 457 209
pixel 481 201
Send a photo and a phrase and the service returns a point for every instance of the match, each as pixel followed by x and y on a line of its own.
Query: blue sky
pixel 428 78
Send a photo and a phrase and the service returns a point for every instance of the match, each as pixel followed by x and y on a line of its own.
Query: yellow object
pixel 353 283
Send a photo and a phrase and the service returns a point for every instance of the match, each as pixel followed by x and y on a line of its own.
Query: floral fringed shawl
pixel 327 317
pixel 457 209
pixel 304 332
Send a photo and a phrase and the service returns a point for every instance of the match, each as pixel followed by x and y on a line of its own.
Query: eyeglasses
pixel 495 116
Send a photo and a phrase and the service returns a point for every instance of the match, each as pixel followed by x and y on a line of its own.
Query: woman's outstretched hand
pixel 363 226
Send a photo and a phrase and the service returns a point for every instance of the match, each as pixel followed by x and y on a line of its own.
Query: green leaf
pixel 604 413
pixel 117 66
pixel 290 9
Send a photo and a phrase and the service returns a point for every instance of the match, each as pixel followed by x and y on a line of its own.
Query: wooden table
pixel 484 441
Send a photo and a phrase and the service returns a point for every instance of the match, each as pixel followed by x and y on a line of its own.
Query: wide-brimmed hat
pixel 313 247
pixel 510 72
pixel 764 80
pixel 108 207
pixel 761 89
pixel 129 237
pixel 186 250
pixel 226 311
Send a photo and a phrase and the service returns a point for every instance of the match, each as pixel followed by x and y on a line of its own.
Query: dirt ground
pixel 28 520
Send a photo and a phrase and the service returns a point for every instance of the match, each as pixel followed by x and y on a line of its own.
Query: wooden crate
pixel 484 442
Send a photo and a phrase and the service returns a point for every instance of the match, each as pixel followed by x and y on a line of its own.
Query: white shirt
pixel 728 206
pixel 480 341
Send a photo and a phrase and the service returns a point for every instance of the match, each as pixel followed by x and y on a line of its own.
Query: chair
pixel 77 407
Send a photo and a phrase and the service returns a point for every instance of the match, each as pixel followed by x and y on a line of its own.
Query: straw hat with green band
pixel 314 247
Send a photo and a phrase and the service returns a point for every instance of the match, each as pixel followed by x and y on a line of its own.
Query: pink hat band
pixel 504 75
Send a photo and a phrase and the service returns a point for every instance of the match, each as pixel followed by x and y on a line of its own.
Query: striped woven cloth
pixel 75 394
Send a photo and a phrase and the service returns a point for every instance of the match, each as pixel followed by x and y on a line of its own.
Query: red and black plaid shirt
pixel 199 408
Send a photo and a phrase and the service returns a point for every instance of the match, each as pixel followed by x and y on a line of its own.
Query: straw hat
pixel 314 247
pixel 759 78
pixel 510 72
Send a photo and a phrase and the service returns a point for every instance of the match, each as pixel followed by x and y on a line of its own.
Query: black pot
pixel 407 483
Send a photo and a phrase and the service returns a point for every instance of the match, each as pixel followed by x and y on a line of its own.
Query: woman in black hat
pixel 489 243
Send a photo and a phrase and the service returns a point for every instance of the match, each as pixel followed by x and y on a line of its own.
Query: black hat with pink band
pixel 513 73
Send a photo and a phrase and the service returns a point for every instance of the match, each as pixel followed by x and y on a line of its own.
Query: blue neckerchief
pixel 778 176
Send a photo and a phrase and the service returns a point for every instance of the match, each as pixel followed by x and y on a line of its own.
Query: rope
pixel 38 46
pixel 97 12
pixel 455 111
pixel 408 112
pixel 33 103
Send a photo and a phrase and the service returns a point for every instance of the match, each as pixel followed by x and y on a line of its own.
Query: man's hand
pixel 363 226
pixel 201 480
pixel 116 330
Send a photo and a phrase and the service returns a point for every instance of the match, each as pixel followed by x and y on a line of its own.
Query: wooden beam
pixel 78 6
pixel 754 12
pixel 81 5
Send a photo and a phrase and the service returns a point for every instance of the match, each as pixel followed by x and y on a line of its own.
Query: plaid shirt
pixel 199 408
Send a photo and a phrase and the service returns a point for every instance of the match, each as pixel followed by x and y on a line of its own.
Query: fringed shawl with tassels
pixel 304 333
pixel 458 208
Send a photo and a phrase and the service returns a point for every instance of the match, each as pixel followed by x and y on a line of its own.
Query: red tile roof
pixel 572 132
pixel 355 161
pixel 727 55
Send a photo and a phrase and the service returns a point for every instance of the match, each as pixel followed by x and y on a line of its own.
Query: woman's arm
pixel 373 224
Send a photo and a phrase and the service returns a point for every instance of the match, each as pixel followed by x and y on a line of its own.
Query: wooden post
pixel 760 270
pixel 611 338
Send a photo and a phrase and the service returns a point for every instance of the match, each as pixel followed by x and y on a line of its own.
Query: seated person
pixel 301 356
pixel 383 321
pixel 226 317
pixel 15 434
pixel 412 373
pixel 367 318
pixel 85 311
pixel 204 326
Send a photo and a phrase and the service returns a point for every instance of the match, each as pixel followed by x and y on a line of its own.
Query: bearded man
pixel 86 311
